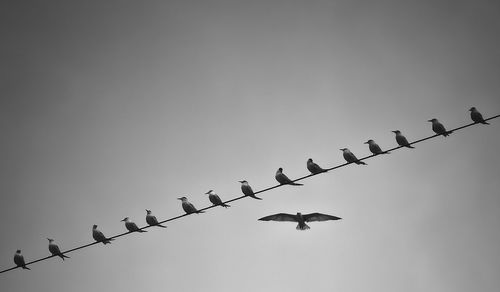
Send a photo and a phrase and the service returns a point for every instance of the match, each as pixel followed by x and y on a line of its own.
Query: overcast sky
pixel 109 108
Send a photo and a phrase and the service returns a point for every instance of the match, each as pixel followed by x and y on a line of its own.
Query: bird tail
pixel 198 212
pixel 255 197
pixel 360 162
pixel 163 226
pixel 386 152
pixel 141 231
pixel 108 240
pixel 409 146
pixel 485 122
pixel 225 205
pixel 445 134
pixel 26 268
pixel 62 256
pixel 302 227
pixel 295 184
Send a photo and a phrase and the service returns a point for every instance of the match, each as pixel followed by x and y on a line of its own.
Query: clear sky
pixel 109 108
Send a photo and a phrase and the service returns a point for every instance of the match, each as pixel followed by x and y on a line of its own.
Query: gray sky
pixel 111 107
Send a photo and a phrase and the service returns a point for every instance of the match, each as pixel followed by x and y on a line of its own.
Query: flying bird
pixel 374 148
pixel 247 190
pixel 401 139
pixel 214 198
pixel 300 218
pixel 54 249
pixel 313 167
pixel 350 157
pixel 438 128
pixel 131 226
pixel 151 219
pixel 99 236
pixel 19 260
pixel 188 207
pixel 476 116
pixel 283 179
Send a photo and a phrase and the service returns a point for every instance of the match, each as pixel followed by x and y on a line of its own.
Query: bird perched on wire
pixel 402 139
pixel 99 236
pixel 350 157
pixel 54 249
pixel 438 128
pixel 151 219
pixel 300 218
pixel 131 226
pixel 313 167
pixel 214 198
pixel 188 207
pixel 19 260
pixel 476 116
pixel 247 190
pixel 283 179
pixel 374 148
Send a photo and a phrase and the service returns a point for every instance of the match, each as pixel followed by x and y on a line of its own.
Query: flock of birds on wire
pixel 301 219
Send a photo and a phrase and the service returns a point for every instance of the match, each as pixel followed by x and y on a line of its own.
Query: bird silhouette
pixel 131 226
pixel 247 190
pixel 300 218
pixel 188 207
pixel 374 148
pixel 54 249
pixel 99 236
pixel 283 179
pixel 19 260
pixel 438 128
pixel 350 157
pixel 214 198
pixel 151 219
pixel 313 167
pixel 402 139
pixel 476 116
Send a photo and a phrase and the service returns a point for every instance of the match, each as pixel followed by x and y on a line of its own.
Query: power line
pixel 241 197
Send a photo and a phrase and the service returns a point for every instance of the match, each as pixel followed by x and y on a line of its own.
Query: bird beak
pixel 429 120
pixel 208 192
pixel 366 142
pixel 393 131
pixel 179 199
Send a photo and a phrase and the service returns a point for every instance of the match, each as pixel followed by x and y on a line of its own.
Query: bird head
pixel 209 192
pixel 280 169
pixel 432 120
pixel 50 239
pixel 299 214
pixel 369 141
pixel 125 219
pixel 94 227
pixel 309 160
pixel 243 181
pixel 396 131
pixel 343 149
pixel 472 109
pixel 18 251
pixel 182 199
pixel 148 211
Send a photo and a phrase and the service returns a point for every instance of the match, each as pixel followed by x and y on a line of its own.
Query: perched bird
pixel 476 116
pixel 350 157
pixel 151 219
pixel 54 249
pixel 214 198
pixel 247 190
pixel 19 260
pixel 131 226
pixel 438 128
pixel 401 139
pixel 99 236
pixel 283 179
pixel 374 148
pixel 188 207
pixel 313 167
pixel 300 218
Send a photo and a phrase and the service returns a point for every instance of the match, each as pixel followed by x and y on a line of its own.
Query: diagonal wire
pixel 241 197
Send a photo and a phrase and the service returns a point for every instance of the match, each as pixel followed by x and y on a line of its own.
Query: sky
pixel 109 108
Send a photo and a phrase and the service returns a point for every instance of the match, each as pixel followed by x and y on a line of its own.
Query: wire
pixel 241 197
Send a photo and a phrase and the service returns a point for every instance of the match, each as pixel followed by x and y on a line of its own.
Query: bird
pixel 54 249
pixel 438 128
pixel 313 167
pixel 350 157
pixel 214 198
pixel 99 236
pixel 131 226
pixel 19 260
pixel 247 190
pixel 374 148
pixel 151 219
pixel 283 179
pixel 300 218
pixel 188 207
pixel 476 116
pixel 401 139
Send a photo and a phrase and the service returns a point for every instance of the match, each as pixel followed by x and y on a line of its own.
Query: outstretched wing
pixel 280 217
pixel 319 217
